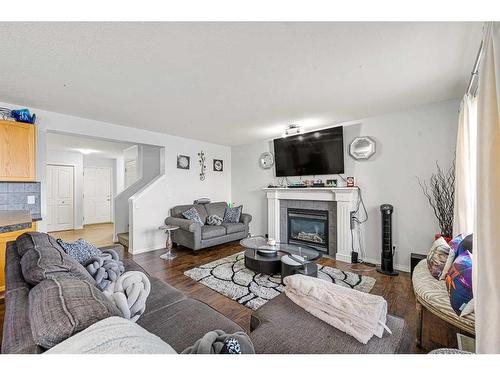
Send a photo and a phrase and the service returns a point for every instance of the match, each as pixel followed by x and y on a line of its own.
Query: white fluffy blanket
pixel 356 313
pixel 113 335
pixel 129 293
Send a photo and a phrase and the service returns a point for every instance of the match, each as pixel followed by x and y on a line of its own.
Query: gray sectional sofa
pixel 280 326
pixel 196 236
pixel 170 314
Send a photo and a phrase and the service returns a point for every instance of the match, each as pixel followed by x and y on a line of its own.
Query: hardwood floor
pixel 98 234
pixel 396 290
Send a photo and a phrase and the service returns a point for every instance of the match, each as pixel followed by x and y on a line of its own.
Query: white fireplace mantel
pixel 346 198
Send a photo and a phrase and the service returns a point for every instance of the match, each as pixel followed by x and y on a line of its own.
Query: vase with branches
pixel 440 192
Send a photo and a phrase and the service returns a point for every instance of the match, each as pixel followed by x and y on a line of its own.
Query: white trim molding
pixel 345 197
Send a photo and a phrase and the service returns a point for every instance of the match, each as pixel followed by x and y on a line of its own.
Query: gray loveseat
pixel 196 236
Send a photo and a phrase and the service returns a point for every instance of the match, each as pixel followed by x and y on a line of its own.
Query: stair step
pixel 123 239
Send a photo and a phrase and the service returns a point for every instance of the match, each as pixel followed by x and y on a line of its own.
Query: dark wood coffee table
pixel 263 258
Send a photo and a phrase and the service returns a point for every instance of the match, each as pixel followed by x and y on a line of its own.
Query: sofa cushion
pixel 193 215
pixel 232 214
pixel 42 258
pixel 436 259
pixel 184 322
pixel 63 306
pixel 272 334
pixel 216 208
pixel 178 210
pixel 234 227
pixel 459 283
pixel 80 250
pixel 211 231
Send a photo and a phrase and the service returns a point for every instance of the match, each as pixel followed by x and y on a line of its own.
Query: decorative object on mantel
pixel 331 183
pixel 441 195
pixel 218 165
pixel 183 161
pixel 350 181
pixel 229 277
pixel 266 160
pixel 362 148
pixel 203 167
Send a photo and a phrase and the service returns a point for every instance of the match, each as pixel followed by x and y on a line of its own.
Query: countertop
pixel 11 221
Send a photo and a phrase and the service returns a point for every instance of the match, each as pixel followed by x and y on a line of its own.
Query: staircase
pixel 123 239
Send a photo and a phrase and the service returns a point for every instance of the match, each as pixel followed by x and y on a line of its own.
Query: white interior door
pixel 60 185
pixel 97 195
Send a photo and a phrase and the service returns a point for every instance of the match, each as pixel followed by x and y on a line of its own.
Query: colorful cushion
pixel 437 257
pixel 465 245
pixel 79 250
pixel 454 243
pixel 459 283
pixel 232 214
pixel 192 214
pixel 214 220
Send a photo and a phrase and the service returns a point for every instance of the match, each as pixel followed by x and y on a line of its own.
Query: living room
pixel 287 187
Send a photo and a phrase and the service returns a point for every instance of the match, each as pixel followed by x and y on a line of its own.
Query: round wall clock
pixel 266 160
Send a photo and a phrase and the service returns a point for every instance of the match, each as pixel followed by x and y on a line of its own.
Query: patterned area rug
pixel 229 277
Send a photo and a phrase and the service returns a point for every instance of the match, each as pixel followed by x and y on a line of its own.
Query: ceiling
pixel 87 146
pixel 233 83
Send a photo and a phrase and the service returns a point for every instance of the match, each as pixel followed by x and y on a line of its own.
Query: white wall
pixel 408 145
pixel 74 159
pixel 149 163
pixel 183 185
pixel 176 187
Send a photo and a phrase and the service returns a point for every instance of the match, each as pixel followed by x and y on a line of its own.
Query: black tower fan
pixel 386 266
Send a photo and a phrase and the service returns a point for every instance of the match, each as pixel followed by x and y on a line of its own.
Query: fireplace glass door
pixel 309 227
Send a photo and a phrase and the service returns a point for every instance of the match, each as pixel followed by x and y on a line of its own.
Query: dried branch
pixel 441 195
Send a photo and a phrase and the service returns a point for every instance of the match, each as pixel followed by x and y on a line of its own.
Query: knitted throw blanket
pixel 105 268
pixel 129 293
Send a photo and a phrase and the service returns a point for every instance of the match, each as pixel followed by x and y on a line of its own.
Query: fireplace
pixel 309 227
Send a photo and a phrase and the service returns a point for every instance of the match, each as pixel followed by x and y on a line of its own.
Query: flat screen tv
pixel 314 153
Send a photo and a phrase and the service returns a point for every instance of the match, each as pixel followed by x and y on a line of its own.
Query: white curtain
pixel 465 168
pixel 487 228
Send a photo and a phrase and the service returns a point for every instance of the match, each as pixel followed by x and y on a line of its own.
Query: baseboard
pixel 343 258
pixel 146 249
pixel 347 259
pixel 399 267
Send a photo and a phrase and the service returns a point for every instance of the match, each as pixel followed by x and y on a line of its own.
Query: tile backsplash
pixel 16 195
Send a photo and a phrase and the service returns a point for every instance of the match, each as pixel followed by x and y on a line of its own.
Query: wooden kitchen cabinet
pixel 17 151
pixel 4 238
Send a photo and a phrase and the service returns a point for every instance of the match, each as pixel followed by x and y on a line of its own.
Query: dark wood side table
pixel 415 259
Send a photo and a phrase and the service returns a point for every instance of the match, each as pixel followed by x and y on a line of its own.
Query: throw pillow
pixel 465 245
pixel 214 220
pixel 452 255
pixel 61 307
pixel 41 260
pixel 192 214
pixel 459 283
pixel 437 257
pixel 232 214
pixel 80 250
